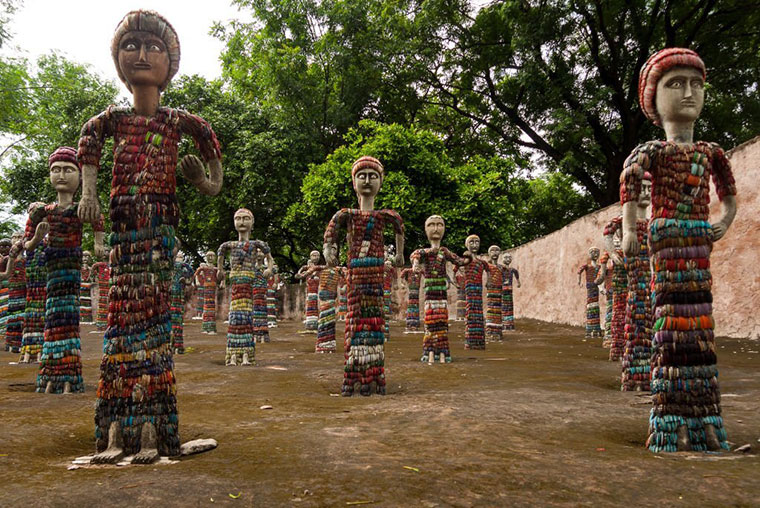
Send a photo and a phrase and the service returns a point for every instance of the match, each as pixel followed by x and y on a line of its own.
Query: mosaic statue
pixel 136 410
pixel 15 274
pixel 591 269
pixel 181 276
pixel 310 273
pixel 413 280
pixel 686 412
pixel 33 335
pixel 101 273
pixel 85 293
pixel 507 292
pixel 474 329
pixel 365 323
pixel 431 262
pixel 612 236
pixel 494 290
pixel 328 292
pixel 206 280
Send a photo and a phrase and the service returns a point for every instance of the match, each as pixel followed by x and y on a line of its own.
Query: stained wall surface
pixel 548 265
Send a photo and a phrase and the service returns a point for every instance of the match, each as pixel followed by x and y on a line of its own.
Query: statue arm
pixel 725 187
pixel 582 269
pixel 398 228
pixel 634 167
pixel 330 243
pixel 270 266
pixel 89 151
pixel 207 144
pixel 517 276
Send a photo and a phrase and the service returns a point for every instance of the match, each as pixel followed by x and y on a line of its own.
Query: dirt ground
pixel 535 420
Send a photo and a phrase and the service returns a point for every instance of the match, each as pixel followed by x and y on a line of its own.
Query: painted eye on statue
pixel 697 83
pixel 155 48
pixel 129 45
pixel 675 83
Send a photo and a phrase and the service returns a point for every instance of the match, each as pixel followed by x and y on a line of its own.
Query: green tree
pixel 59 97
pixel 484 196
pixel 559 77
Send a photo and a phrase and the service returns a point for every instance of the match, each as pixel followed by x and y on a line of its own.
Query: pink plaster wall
pixel 548 265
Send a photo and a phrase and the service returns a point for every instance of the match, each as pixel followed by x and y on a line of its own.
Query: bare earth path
pixel 536 420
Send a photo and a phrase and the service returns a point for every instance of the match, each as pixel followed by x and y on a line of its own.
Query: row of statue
pixel 136 408
pixel 327 295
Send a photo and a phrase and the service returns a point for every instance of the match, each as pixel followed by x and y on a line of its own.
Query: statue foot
pixel 246 361
pixel 365 390
pixel 179 351
pixel 49 387
pixel 115 451
pixel 148 453
pixel 683 444
pixel 443 358
pixel 67 388
pixel 711 438
pixel 39 357
pixel 26 359
pixel 431 358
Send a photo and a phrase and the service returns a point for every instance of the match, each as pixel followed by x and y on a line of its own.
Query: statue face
pixel 86 258
pixel 210 258
pixel 16 237
pixel 680 95
pixel 243 222
pixel 435 228
pixel 473 245
pixel 507 259
pixel 314 257
pixel 645 196
pixel 617 241
pixel 180 257
pixel 4 249
pixel 593 254
pixel 64 176
pixel 143 59
pixel 494 251
pixel 367 182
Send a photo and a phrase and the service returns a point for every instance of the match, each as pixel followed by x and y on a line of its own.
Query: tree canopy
pixel 510 119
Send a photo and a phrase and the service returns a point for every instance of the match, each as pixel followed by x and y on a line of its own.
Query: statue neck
pixel 146 100
pixel 366 203
pixel 641 211
pixel 435 244
pixel 679 132
pixel 244 236
pixel 65 199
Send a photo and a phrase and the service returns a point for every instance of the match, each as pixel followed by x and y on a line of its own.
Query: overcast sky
pixel 82 30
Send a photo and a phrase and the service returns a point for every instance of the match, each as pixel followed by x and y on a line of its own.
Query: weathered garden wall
pixel 548 266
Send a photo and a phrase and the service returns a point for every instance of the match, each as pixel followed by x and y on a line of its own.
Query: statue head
pixel 645 196
pixel 179 257
pixel 5 246
pixel 367 175
pixel 16 237
pixel 472 243
pixel 671 86
pixel 243 219
pixel 494 251
pixel 507 258
pixel 64 169
pixel 210 257
pixel 86 258
pixel 314 257
pixel 435 227
pixel 593 253
pixel 145 49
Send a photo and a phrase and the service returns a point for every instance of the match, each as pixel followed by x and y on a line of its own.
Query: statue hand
pixel 100 250
pixel 193 169
pixel 630 246
pixel 616 259
pixel 43 228
pixel 400 260
pixel 718 230
pixel 89 209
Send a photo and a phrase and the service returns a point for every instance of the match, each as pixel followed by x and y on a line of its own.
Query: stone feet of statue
pixel 443 358
pixel 683 443
pixel 39 357
pixel 231 361
pixel 246 361
pixel 711 438
pixel 49 387
pixel 148 453
pixel 66 388
pixel 26 358
pixel 179 351
pixel 115 450
pixel 431 358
